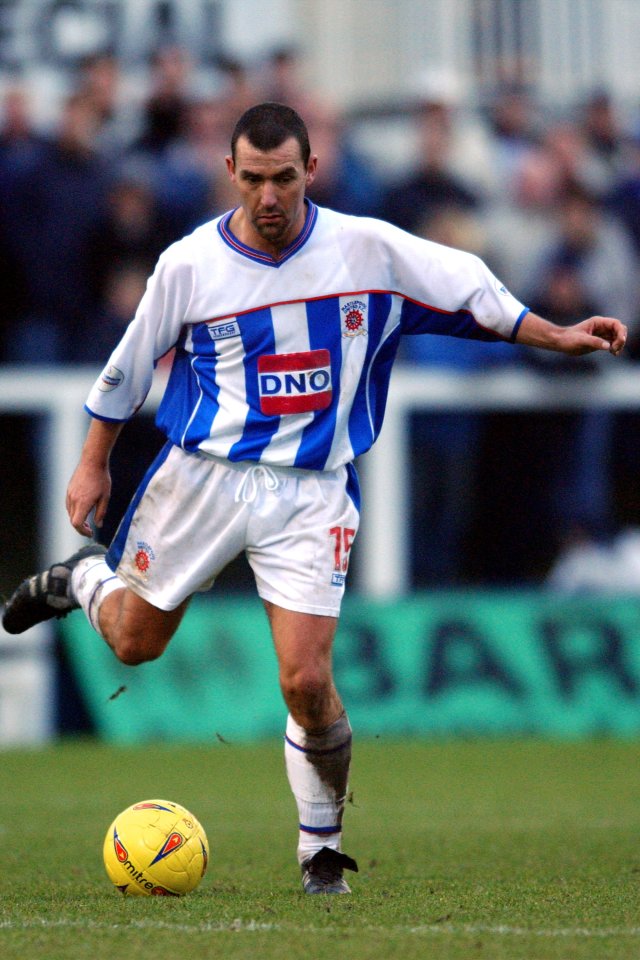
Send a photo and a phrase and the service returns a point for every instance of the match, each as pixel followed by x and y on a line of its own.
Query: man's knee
pixel 133 651
pixel 136 631
pixel 306 689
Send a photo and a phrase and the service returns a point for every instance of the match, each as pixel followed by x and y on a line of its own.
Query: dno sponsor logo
pixel 294 382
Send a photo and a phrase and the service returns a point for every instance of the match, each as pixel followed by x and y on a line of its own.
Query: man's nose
pixel 268 194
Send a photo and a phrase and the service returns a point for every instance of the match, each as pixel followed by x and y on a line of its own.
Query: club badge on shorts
pixel 294 382
pixel 143 559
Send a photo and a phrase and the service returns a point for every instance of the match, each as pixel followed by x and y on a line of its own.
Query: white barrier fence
pixel 59 394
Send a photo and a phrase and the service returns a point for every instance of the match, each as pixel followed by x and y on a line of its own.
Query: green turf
pixel 466 849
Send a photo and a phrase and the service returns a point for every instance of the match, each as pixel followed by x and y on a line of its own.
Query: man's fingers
pixel 613 330
pixel 83 528
pixel 100 512
pixel 79 518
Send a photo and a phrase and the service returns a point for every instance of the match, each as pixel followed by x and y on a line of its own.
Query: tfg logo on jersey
pixel 222 331
pixel 294 382
pixel 353 322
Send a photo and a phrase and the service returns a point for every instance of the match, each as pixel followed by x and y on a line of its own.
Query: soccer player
pixel 285 319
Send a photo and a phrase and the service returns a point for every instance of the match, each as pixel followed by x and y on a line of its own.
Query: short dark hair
pixel 267 125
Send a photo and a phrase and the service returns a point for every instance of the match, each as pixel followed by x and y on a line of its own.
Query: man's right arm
pixel 90 485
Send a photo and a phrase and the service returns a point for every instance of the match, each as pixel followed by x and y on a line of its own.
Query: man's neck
pixel 246 233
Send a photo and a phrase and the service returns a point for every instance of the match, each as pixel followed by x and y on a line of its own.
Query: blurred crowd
pixel 550 202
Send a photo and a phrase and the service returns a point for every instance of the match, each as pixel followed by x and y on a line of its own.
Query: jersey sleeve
pixel 450 292
pixel 124 383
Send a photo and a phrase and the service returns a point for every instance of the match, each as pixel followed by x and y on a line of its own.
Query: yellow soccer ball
pixel 155 848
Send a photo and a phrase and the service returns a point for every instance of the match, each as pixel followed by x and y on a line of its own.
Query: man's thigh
pixel 301 639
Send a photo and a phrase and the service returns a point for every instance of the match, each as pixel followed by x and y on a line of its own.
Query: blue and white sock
pixel 318 771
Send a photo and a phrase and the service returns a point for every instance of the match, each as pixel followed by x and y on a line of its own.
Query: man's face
pixel 272 186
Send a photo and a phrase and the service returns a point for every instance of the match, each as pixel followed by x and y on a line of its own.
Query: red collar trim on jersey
pixel 231 240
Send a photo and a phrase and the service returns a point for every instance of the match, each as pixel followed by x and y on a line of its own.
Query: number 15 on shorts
pixel 343 538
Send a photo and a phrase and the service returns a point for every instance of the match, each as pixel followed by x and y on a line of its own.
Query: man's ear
pixel 231 167
pixel 312 167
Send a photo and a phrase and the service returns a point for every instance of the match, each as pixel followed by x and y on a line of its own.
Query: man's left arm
pixel 588 336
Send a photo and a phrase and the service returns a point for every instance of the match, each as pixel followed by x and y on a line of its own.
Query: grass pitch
pixel 525 851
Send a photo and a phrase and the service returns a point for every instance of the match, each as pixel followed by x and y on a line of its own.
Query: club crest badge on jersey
pixel 294 382
pixel 353 321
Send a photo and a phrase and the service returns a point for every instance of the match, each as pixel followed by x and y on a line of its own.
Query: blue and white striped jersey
pixel 288 362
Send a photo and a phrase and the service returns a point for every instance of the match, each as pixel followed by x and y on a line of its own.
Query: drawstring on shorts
pixel 249 481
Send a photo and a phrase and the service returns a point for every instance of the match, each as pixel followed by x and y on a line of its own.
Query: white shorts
pixel 193 514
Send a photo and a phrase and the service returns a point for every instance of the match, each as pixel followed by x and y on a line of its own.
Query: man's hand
pixel 89 489
pixel 588 336
pixel 90 486
pixel 596 333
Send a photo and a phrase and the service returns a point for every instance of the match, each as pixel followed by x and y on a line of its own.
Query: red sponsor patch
pixel 294 382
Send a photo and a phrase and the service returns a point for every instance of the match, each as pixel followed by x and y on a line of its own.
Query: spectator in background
pixel 623 200
pixel 187 179
pixel 54 207
pixel 239 91
pixel 440 94
pixel 164 110
pixel 122 286
pixel 577 162
pixel 20 143
pixel 99 81
pixel 518 223
pixel 598 250
pixel 20 146
pixel 515 128
pixel 345 181
pixel 603 131
pixel 284 82
pixel 433 186
pixel 130 230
